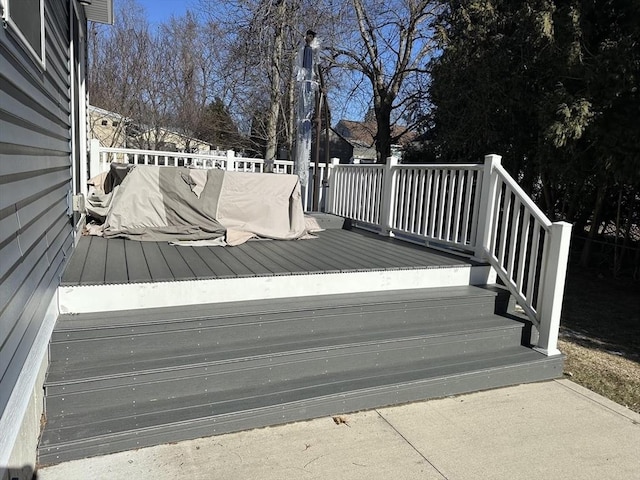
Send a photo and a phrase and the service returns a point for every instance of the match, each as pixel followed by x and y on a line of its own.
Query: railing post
pixel 487 198
pixel 330 203
pixel 388 195
pixel 94 158
pixel 231 160
pixel 553 287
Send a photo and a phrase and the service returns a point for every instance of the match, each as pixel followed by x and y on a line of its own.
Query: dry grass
pixel 608 374
pixel 600 335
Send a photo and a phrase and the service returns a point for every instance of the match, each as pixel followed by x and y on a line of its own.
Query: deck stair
pixel 128 379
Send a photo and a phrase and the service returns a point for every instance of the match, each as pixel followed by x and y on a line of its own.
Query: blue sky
pixel 160 10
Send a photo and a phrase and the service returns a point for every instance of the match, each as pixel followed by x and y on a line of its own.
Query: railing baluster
pixel 493 244
pixel 455 234
pixel 403 207
pixel 413 201
pixel 417 228
pixel 533 261
pixel 449 205
pixel 524 246
pixel 433 221
pixel 378 196
pixel 504 232
pixel 352 197
pixel 444 187
pixel 373 196
pixel 408 201
pixel 427 204
pixel 358 198
pixel 467 208
pixel 537 298
pixel 513 237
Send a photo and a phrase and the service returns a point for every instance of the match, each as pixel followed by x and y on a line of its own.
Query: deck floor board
pixel 178 266
pixel 116 266
pixel 357 251
pixel 311 258
pixel 73 272
pixel 100 261
pixel 199 268
pixel 160 271
pixel 137 266
pixel 95 262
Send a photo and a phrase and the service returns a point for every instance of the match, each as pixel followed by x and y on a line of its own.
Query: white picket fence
pixel 475 208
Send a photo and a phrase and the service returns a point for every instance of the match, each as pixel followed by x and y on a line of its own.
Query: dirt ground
pixel 600 335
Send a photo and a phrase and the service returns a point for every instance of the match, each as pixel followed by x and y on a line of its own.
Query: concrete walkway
pixel 550 430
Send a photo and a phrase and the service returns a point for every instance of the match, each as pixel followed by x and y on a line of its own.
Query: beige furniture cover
pixel 181 204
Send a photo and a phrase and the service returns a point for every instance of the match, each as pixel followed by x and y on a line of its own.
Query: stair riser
pixel 194 339
pixel 150 391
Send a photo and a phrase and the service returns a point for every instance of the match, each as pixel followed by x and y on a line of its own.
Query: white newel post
pixel 94 158
pixel 330 203
pixel 487 199
pixel 325 203
pixel 553 287
pixel 388 195
pixel 231 160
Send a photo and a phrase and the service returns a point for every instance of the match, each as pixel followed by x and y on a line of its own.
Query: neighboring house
pixel 158 138
pixel 109 128
pixel 42 165
pixel 361 135
pixel 339 147
pixel 115 130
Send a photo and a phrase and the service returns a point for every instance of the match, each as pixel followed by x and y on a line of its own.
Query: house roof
pixel 362 133
pixel 103 113
pixel 100 11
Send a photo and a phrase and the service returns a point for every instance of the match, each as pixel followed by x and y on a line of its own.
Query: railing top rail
pixel 440 166
pixel 160 153
pixel 414 166
pixel 524 198
pixel 359 165
pixel 204 156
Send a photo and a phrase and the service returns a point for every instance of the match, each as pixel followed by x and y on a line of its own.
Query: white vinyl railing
pixel 471 207
pixel 529 252
pixel 100 159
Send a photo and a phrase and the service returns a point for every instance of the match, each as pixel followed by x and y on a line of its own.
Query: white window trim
pixel 15 30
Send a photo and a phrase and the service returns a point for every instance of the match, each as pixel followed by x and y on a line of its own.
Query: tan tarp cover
pixel 180 204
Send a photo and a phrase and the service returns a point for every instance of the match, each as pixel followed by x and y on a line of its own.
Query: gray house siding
pixel 36 234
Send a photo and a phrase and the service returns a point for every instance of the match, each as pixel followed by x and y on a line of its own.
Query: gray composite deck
pixel 98 261
pixel 125 379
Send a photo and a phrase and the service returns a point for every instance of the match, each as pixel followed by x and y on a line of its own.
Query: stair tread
pixel 75 368
pixel 111 420
pixel 89 321
pixel 426 309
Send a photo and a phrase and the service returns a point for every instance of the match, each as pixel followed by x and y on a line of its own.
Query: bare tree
pixel 263 40
pixel 390 50
pixel 159 81
pixel 189 72
pixel 118 63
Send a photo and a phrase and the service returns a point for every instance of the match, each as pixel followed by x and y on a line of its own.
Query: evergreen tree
pixel 551 86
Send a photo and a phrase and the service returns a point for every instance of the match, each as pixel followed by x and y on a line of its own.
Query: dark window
pixel 104 123
pixel 26 18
